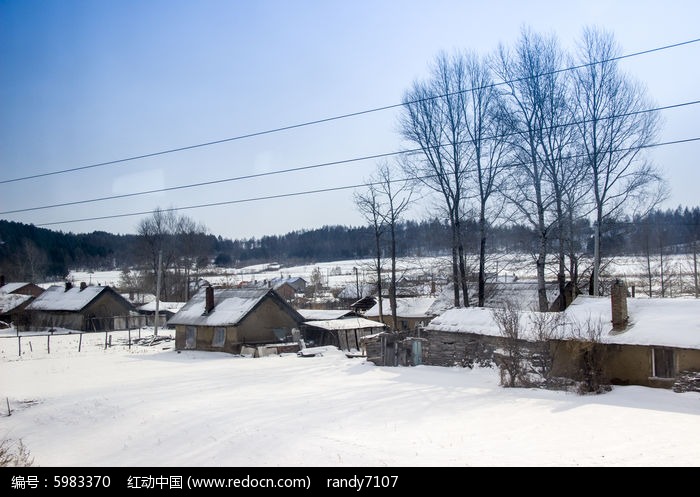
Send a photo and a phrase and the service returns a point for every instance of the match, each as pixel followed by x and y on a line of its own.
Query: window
pixel 662 363
pixel 190 337
pixel 219 337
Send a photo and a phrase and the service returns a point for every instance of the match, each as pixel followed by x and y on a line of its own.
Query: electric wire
pixel 351 160
pixel 338 117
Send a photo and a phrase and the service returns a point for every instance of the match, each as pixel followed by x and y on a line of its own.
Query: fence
pixel 28 341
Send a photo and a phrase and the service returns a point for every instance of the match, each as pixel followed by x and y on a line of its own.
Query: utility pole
pixel 695 266
pixel 357 283
pixel 160 263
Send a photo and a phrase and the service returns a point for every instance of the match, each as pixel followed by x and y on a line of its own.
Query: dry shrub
pixel 13 453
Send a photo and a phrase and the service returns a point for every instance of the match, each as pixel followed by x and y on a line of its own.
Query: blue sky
pixel 86 82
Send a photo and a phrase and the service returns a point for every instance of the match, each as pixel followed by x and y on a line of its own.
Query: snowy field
pixel 678 271
pixel 149 405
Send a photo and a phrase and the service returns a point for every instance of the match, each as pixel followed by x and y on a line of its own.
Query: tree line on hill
pixel 29 253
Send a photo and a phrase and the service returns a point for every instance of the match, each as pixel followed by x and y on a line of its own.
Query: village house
pixel 20 288
pixel 650 342
pixel 229 320
pixel 14 298
pixel 84 308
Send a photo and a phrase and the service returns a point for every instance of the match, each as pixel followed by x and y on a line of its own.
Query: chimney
pixel 618 300
pixel 2 280
pixel 83 286
pixel 209 303
pixel 69 285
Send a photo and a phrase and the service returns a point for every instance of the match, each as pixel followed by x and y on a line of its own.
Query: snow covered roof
pixel 350 291
pixel 662 322
pixel 162 306
pixel 406 307
pixel 323 314
pixel 57 298
pixel 296 282
pixel 10 301
pixel 231 305
pixel 346 324
pixel 12 287
pixel 524 292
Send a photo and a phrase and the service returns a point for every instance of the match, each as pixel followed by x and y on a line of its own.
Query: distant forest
pixel 29 253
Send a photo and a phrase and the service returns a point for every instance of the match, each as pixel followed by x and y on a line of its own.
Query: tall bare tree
pixel 615 126
pixel 176 242
pixel 157 235
pixel 528 93
pixel 485 139
pixel 384 203
pixel 372 209
pixel 562 171
pixel 397 195
pixel 192 246
pixel 433 118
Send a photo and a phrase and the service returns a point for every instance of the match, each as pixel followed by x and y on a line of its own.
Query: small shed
pixel 343 333
pixel 325 314
pixel 361 305
pixel 393 349
pixel 166 310
pixel 411 312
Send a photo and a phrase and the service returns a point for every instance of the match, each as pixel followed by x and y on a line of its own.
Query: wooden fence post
pixel 19 345
pixel 48 344
pixel 80 342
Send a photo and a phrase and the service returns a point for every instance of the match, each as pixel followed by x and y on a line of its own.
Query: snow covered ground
pixel 153 406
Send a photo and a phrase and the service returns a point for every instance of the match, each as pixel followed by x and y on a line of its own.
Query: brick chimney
pixel 209 302
pixel 83 286
pixel 618 300
pixel 2 280
pixel 69 285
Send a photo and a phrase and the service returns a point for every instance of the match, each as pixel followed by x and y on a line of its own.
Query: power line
pixel 335 118
pixel 229 202
pixel 347 161
pixel 310 192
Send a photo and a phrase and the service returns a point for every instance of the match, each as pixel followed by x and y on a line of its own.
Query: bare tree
pixel 156 235
pixel 615 126
pixel 529 72
pixel 562 172
pixel 485 139
pixel 383 204
pixel 31 261
pixel 191 238
pixel 433 118
pixel 372 209
pixel 397 196
pixel 174 240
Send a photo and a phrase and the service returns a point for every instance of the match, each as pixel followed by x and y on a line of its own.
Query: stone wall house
pixel 653 343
